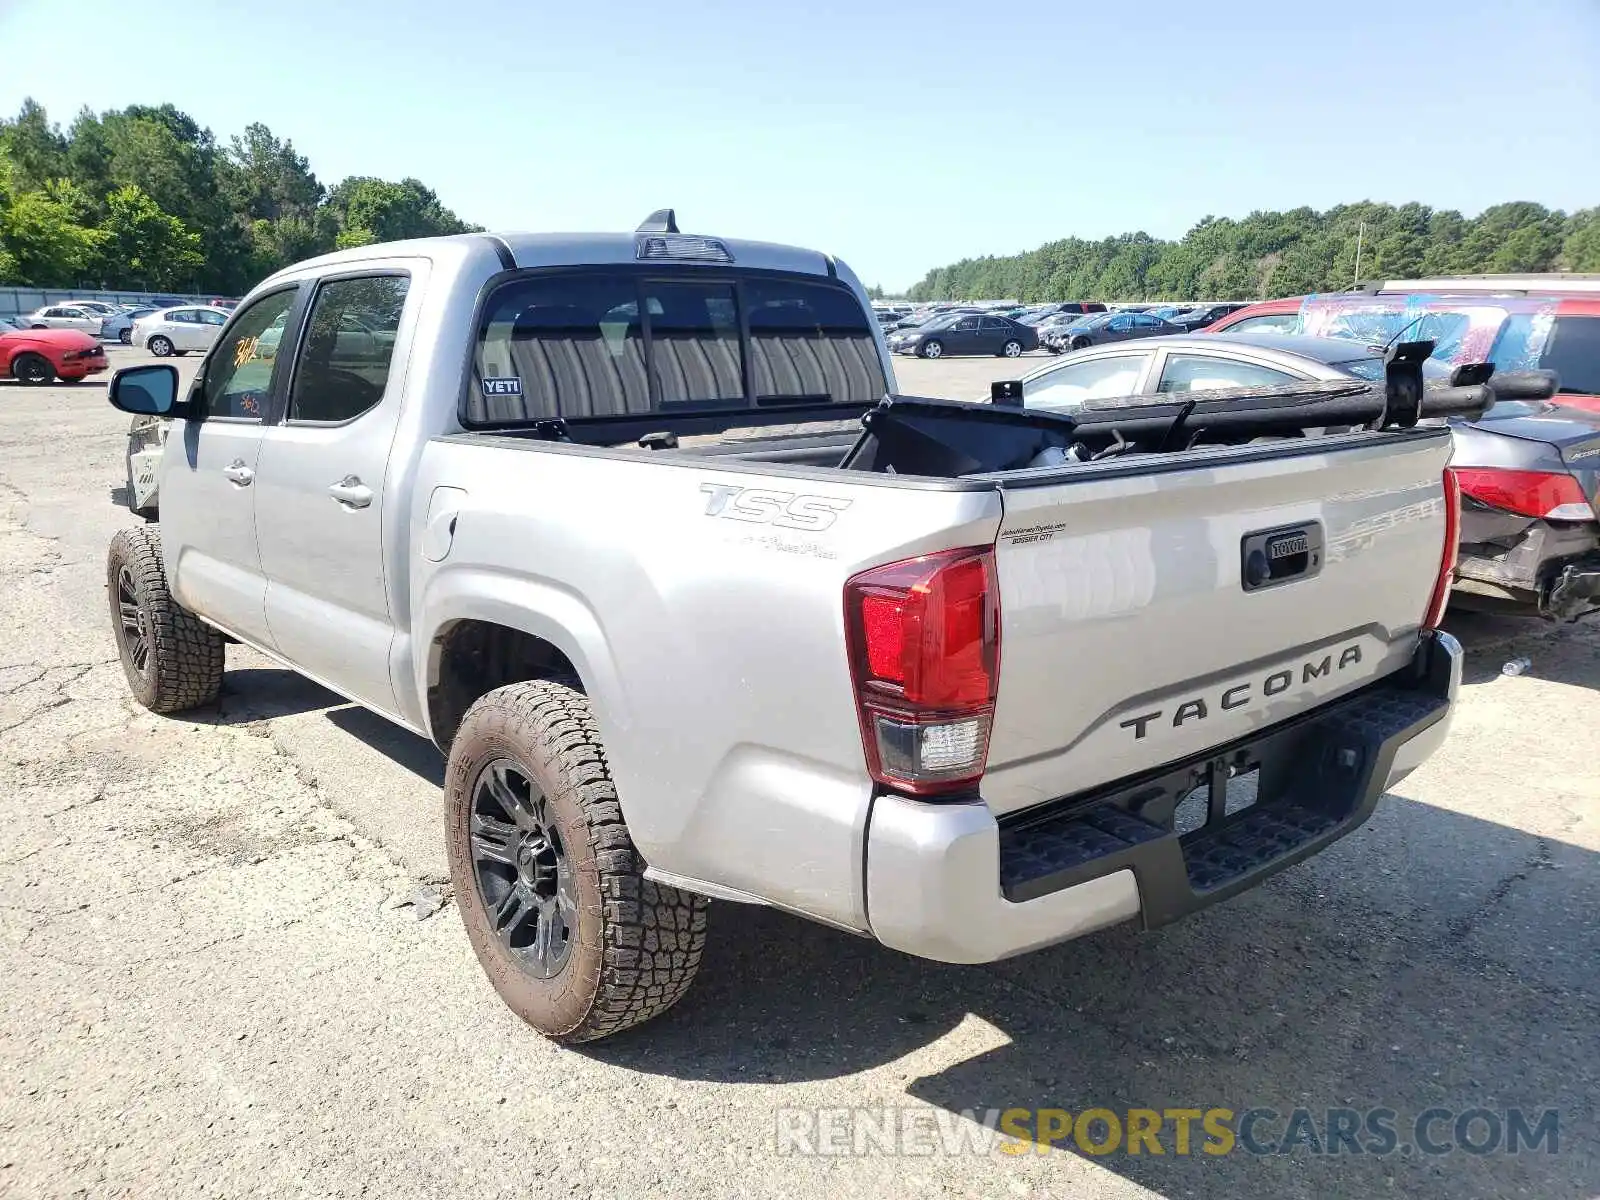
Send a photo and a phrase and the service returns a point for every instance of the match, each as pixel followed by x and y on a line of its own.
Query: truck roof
pixel 527 249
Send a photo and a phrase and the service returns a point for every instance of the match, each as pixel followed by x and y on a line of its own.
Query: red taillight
pixel 1553 495
pixel 924 640
pixel 1447 557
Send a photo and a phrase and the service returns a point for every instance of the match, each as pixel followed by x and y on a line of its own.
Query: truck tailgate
pixel 1129 636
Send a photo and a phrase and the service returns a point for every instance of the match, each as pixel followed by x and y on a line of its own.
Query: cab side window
pixel 348 348
pixel 238 379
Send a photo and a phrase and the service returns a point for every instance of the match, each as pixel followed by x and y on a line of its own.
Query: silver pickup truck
pixel 635 528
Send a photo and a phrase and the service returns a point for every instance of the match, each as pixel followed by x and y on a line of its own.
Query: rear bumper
pixel 1545 568
pixel 950 882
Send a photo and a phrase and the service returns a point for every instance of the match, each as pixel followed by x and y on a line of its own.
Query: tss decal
pixel 760 506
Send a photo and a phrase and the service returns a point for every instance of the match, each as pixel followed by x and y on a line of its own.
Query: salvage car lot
pixel 214 979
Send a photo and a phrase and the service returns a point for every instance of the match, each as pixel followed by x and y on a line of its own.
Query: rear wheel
pixel 172 659
pixel 1012 349
pixel 933 349
pixel 552 892
pixel 126 337
pixel 160 346
pixel 1081 343
pixel 33 369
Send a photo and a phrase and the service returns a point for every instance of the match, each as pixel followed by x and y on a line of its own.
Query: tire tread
pixel 652 935
pixel 188 655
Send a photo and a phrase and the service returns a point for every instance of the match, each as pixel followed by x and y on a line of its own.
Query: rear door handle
pixel 351 492
pixel 237 472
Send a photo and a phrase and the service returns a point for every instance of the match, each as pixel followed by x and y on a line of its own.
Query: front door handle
pixel 351 492
pixel 238 473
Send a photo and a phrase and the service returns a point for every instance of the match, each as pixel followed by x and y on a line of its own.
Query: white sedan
pixel 178 330
pixel 65 316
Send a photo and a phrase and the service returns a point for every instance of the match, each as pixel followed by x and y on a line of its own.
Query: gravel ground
pixel 220 971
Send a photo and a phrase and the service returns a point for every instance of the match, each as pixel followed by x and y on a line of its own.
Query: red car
pixel 38 356
pixel 1270 316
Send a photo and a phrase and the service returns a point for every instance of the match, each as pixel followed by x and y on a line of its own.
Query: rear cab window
pixel 597 344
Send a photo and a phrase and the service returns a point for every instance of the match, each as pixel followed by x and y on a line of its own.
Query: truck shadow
pixel 1430 959
pixel 416 754
pixel 261 693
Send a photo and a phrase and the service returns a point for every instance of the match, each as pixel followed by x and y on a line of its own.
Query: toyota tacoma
pixel 636 529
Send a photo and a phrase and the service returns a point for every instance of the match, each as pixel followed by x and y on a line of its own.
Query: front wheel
pixel 172 659
pixel 1012 349
pixel 573 937
pixel 34 369
pixel 160 346
pixel 931 350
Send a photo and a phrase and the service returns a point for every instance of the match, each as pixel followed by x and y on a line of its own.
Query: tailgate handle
pixel 1276 556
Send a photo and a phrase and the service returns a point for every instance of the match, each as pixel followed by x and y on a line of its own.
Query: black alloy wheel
pixel 522 870
pixel 133 629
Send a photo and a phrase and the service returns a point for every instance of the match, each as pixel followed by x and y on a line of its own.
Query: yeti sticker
pixel 507 385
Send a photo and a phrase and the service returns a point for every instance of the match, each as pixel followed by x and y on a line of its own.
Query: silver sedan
pixel 1192 364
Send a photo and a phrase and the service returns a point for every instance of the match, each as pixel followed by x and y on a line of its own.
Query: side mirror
pixel 148 391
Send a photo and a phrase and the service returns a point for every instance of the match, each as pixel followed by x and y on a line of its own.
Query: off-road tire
pixel 184 664
pixel 638 943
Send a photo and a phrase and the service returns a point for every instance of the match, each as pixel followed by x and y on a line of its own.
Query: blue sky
pixel 899 136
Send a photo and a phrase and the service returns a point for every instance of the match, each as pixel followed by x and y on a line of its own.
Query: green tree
pixel 37 150
pixel 378 210
pixel 1580 245
pixel 1281 254
pixel 43 243
pixel 147 245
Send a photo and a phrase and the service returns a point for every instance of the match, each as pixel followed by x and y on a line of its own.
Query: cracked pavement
pixel 214 981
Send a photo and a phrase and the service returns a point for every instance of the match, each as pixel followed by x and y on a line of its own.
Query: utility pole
pixel 1361 229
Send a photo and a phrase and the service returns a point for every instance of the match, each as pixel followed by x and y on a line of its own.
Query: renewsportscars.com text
pixel 915 1131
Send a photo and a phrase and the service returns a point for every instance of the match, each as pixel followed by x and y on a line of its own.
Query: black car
pixel 1205 315
pixel 966 333
pixel 1107 327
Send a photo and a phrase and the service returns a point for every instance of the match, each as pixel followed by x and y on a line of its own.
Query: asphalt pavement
pixel 227 965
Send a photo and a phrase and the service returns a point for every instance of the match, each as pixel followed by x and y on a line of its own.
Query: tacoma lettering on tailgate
pixel 1243 694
